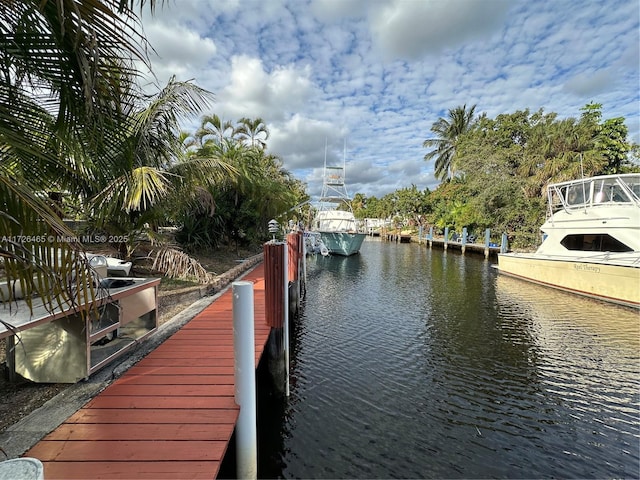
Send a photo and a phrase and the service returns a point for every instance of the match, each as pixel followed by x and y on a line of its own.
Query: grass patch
pixel 167 283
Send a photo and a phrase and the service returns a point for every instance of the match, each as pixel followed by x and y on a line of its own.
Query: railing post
pixel 245 380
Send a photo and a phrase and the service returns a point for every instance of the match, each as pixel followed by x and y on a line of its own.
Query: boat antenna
pixel 325 153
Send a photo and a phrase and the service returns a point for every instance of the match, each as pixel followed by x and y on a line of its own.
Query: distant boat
pixel 335 222
pixel 591 240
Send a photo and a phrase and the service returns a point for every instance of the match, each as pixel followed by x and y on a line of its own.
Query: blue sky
pixel 379 73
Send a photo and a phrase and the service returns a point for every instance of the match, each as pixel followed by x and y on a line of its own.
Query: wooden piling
pixel 273 284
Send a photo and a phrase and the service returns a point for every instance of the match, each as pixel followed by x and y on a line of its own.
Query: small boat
pixel 109 266
pixel 591 240
pixel 314 244
pixel 334 221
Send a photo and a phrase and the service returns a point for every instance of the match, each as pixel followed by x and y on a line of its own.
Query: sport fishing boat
pixel 335 221
pixel 591 240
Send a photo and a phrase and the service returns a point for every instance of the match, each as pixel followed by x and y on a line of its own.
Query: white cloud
pixel 413 29
pixel 379 73
pixel 177 50
pixel 253 92
pixel 590 83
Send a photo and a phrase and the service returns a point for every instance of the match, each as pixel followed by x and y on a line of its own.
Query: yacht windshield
pixel 594 191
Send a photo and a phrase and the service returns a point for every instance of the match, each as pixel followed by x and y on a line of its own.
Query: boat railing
pixel 594 191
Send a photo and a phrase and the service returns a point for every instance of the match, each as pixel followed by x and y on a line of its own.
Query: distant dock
pixel 460 243
pixel 487 251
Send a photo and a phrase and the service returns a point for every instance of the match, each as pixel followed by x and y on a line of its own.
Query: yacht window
pixel 594 243
pixel 575 195
pixel 609 191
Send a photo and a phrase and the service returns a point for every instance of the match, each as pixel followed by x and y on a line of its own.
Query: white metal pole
pixel 245 380
pixel 286 316
pixel 304 261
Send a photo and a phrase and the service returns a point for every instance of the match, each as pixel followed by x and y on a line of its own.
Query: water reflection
pixel 411 362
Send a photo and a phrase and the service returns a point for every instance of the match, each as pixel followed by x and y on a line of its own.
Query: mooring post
pixel 504 245
pixel 286 318
pixel 464 239
pixel 245 380
pixel 446 237
pixel 304 264
pixel 420 235
pixel 430 237
pixel 487 241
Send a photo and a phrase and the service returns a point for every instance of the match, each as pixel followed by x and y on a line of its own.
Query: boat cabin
pixel 335 221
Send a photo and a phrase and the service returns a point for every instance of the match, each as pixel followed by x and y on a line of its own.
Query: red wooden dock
pixel 171 415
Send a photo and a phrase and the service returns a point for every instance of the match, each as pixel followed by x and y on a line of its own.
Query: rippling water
pixel 415 363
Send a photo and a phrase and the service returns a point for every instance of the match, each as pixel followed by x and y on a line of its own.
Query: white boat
pixel 314 244
pixel 335 222
pixel 591 240
pixel 109 266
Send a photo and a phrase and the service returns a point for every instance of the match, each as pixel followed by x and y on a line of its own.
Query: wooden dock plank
pixel 143 431
pixel 122 470
pixel 105 416
pixel 172 415
pixel 108 401
pixel 188 362
pixel 172 379
pixel 179 353
pixel 127 450
pixel 170 389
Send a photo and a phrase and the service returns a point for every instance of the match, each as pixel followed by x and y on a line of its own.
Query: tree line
pixel 494 171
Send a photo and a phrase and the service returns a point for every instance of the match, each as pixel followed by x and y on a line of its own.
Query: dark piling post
pixel 504 245
pixel 274 274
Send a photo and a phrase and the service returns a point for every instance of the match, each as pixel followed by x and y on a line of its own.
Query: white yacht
pixel 335 221
pixel 591 240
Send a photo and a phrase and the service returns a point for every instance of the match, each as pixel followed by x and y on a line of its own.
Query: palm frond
pixel 177 264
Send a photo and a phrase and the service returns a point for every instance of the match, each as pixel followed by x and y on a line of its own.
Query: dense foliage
pixel 239 207
pixel 79 140
pixel 65 87
pixel 496 170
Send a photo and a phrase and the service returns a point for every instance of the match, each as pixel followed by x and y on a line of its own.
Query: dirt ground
pixel 19 398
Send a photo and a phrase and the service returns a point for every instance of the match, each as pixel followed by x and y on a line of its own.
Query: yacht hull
pixel 613 283
pixel 342 243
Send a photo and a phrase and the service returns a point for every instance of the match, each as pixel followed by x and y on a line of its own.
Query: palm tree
pixel 151 172
pixel 448 131
pixel 61 85
pixel 254 132
pixel 562 150
pixel 214 126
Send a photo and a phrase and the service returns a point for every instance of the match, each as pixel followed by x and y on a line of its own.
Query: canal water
pixel 416 363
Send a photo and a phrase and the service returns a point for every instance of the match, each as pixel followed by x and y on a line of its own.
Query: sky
pixel 376 74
